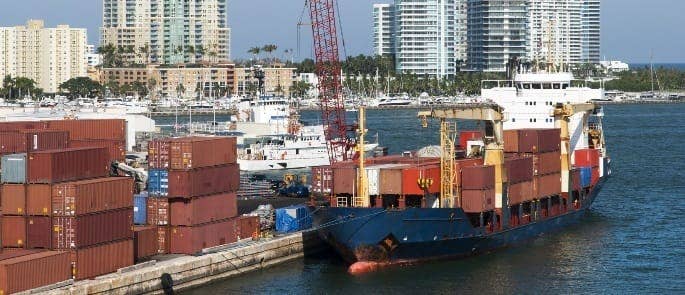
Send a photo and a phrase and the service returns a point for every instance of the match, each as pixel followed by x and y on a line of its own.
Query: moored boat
pixel 532 173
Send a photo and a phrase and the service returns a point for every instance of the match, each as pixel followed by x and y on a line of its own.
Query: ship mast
pixel 361 199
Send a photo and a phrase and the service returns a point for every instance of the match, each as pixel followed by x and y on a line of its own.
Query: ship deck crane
pixel 562 114
pixel 493 140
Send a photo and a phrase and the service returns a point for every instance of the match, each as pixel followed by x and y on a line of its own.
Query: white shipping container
pixel 372 175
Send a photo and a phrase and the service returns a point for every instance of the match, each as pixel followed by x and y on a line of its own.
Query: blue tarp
pixel 585 176
pixel 293 218
pixel 140 208
pixel 158 182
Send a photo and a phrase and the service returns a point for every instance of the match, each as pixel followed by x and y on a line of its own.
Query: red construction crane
pixel 328 71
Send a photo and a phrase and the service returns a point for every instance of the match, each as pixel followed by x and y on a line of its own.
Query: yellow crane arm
pixel 562 115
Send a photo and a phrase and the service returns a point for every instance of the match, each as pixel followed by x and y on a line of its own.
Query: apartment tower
pixel 167 31
pixel 49 56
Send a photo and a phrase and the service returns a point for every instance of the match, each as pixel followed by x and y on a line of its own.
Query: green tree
pixel 255 53
pixel 269 49
pixel 80 87
pixel 300 88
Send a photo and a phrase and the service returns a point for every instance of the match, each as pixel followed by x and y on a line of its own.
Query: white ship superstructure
pixel 530 98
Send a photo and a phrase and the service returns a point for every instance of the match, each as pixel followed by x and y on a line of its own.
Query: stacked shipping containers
pixel 62 198
pixel 193 189
pixel 538 150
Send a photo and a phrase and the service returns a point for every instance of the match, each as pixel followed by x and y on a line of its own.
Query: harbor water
pixel 630 243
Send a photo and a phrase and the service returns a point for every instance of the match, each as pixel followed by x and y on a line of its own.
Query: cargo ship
pixel 536 166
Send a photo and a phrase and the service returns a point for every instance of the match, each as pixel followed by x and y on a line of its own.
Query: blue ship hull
pixel 416 234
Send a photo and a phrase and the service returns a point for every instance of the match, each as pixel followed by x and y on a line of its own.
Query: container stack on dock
pixel 192 194
pixel 63 215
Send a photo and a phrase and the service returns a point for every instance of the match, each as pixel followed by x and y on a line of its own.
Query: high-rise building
pixel 431 37
pixel 167 31
pixel 555 31
pixel 49 56
pixel 497 30
pixel 591 31
pixel 425 37
pixel 384 29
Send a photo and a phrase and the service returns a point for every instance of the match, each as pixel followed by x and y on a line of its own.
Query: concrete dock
pixel 187 272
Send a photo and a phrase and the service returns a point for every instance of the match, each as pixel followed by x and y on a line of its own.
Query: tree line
pixel 640 80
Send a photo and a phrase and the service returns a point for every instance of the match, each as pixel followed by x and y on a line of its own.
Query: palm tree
pixel 145 50
pixel 179 51
pixel 269 48
pixel 190 49
pixel 152 85
pixel 200 50
pixel 255 53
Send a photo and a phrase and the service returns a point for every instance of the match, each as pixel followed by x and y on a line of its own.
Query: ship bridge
pixel 529 99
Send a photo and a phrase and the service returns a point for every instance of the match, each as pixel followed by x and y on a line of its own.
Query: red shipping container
pixel 90 196
pixel 390 180
pixel 197 152
pixel 204 209
pixel 114 129
pixel 21 125
pixel 16 252
pixel 547 185
pixel 87 230
pixel 192 239
pixel 204 181
pixel 511 141
pixel 475 201
pixel 67 165
pixel 39 199
pixel 575 179
pixel 145 241
pixel 13 199
pixel 410 177
pixel 532 140
pixel 547 163
pixel 102 259
pixel 34 270
pixel 520 192
pixel 38 232
pixel 157 211
pixel 163 239
pixel 459 166
pixel 322 180
pixel 519 169
pixel 587 158
pixel 344 179
pixel 465 136
pixel 40 140
pixel 116 149
pixel 22 141
pixel 158 155
pixel 12 142
pixel 14 231
pixel 247 227
pixel 595 175
pixel 478 177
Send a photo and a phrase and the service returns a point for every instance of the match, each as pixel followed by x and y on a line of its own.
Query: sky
pixel 631 29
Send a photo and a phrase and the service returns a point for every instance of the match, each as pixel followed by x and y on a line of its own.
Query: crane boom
pixel 328 71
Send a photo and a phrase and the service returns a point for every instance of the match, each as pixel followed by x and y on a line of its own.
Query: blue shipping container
pixel 293 218
pixel 158 182
pixel 585 176
pixel 140 208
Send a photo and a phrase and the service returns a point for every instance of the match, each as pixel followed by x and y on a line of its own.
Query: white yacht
pixel 306 148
